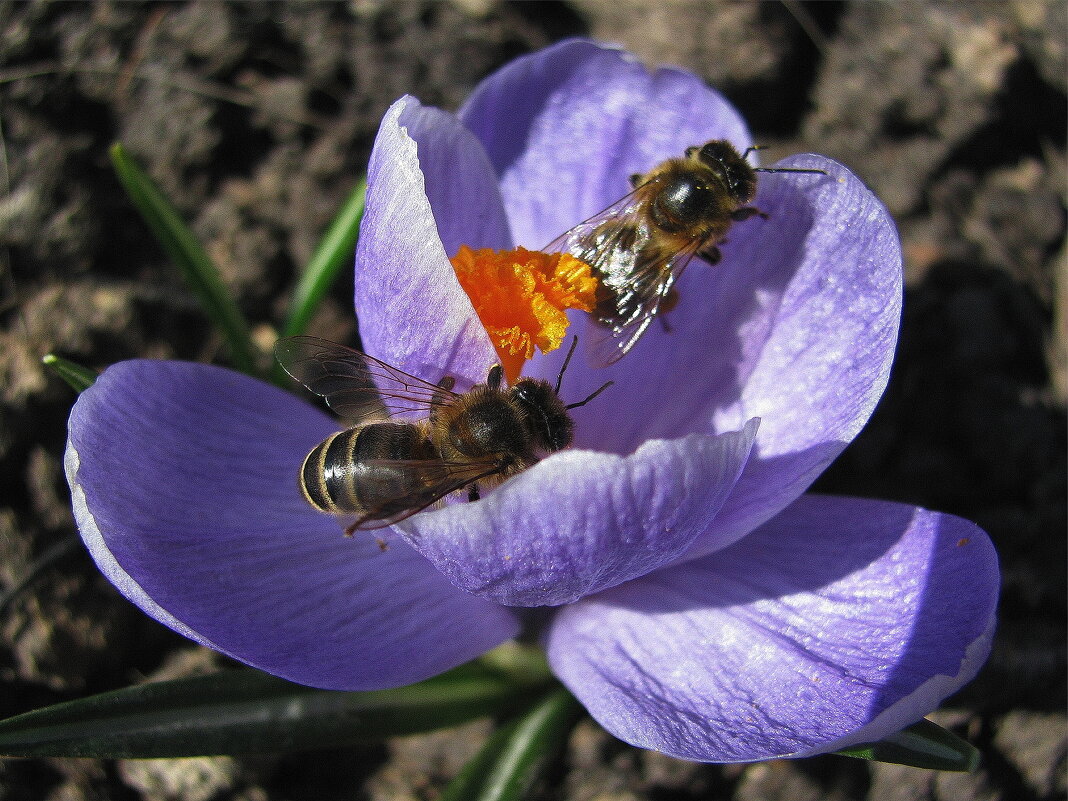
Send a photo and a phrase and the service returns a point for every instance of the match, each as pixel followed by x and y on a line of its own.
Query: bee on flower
pixel 696 599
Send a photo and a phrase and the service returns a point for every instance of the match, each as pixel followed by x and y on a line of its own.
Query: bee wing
pixel 438 477
pixel 356 386
pixel 591 240
pixel 635 274
pixel 637 302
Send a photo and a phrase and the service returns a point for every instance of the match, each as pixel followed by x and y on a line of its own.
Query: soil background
pixel 257 120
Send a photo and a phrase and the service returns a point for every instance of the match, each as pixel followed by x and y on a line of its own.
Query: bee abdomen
pixel 312 485
pixel 337 478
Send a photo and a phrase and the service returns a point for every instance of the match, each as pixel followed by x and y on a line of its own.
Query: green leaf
pixel 80 378
pixel 182 246
pixel 921 745
pixel 508 764
pixel 335 251
pixel 246 711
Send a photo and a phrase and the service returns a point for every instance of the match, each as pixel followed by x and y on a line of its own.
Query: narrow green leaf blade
pixel 507 766
pixel 246 711
pixel 335 251
pixel 921 745
pixel 182 246
pixel 79 378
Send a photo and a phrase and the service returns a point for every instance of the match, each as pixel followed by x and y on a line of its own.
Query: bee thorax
pixel 488 425
pixel 683 203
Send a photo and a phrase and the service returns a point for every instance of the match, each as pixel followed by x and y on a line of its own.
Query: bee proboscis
pixel 384 469
pixel 640 245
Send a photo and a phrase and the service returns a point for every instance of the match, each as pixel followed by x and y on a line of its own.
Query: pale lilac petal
pixel 580 521
pixel 185 491
pixel 430 188
pixel 831 332
pixel 566 126
pixel 797 326
pixel 839 621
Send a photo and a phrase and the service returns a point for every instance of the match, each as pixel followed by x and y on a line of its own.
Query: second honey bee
pixel 385 469
pixel 639 246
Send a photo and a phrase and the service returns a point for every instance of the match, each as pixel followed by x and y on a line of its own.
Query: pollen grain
pixel 522 296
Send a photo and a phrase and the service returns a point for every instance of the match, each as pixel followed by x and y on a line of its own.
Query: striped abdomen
pixel 341 475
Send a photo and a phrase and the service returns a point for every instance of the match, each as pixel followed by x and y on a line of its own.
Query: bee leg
pixel 350 529
pixel 382 544
pixel 472 493
pixel 745 212
pixel 710 253
pixel 670 301
pixel 495 377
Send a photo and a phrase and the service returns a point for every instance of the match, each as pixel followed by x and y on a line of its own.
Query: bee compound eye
pixel 718 150
pixel 737 174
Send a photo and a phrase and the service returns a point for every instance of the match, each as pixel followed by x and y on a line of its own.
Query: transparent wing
pixel 593 241
pixel 356 386
pixel 438 479
pixel 636 270
pixel 635 303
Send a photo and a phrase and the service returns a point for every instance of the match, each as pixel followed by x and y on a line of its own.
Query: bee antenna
pixel 595 393
pixel 787 169
pixel 753 149
pixel 567 361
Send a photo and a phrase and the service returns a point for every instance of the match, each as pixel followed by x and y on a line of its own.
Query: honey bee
pixel 385 469
pixel 640 245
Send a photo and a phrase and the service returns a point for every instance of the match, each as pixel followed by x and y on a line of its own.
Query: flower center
pixel 521 297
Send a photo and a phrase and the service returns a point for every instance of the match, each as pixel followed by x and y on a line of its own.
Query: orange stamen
pixel 521 297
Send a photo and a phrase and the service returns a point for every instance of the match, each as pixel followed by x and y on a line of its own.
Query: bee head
pixel 737 175
pixel 548 422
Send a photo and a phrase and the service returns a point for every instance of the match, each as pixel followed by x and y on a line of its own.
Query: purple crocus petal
pixel 578 521
pixel 580 118
pixel 814 354
pixel 839 621
pixel 797 326
pixel 430 188
pixel 184 485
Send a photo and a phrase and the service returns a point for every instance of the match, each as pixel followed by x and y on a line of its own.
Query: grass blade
pixel 335 251
pixel 921 745
pixel 246 711
pixel 182 246
pixel 507 766
pixel 79 378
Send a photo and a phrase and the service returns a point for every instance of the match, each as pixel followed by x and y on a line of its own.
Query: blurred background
pixel 257 120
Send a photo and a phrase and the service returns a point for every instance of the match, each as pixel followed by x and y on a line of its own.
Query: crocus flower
pixel 700 603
